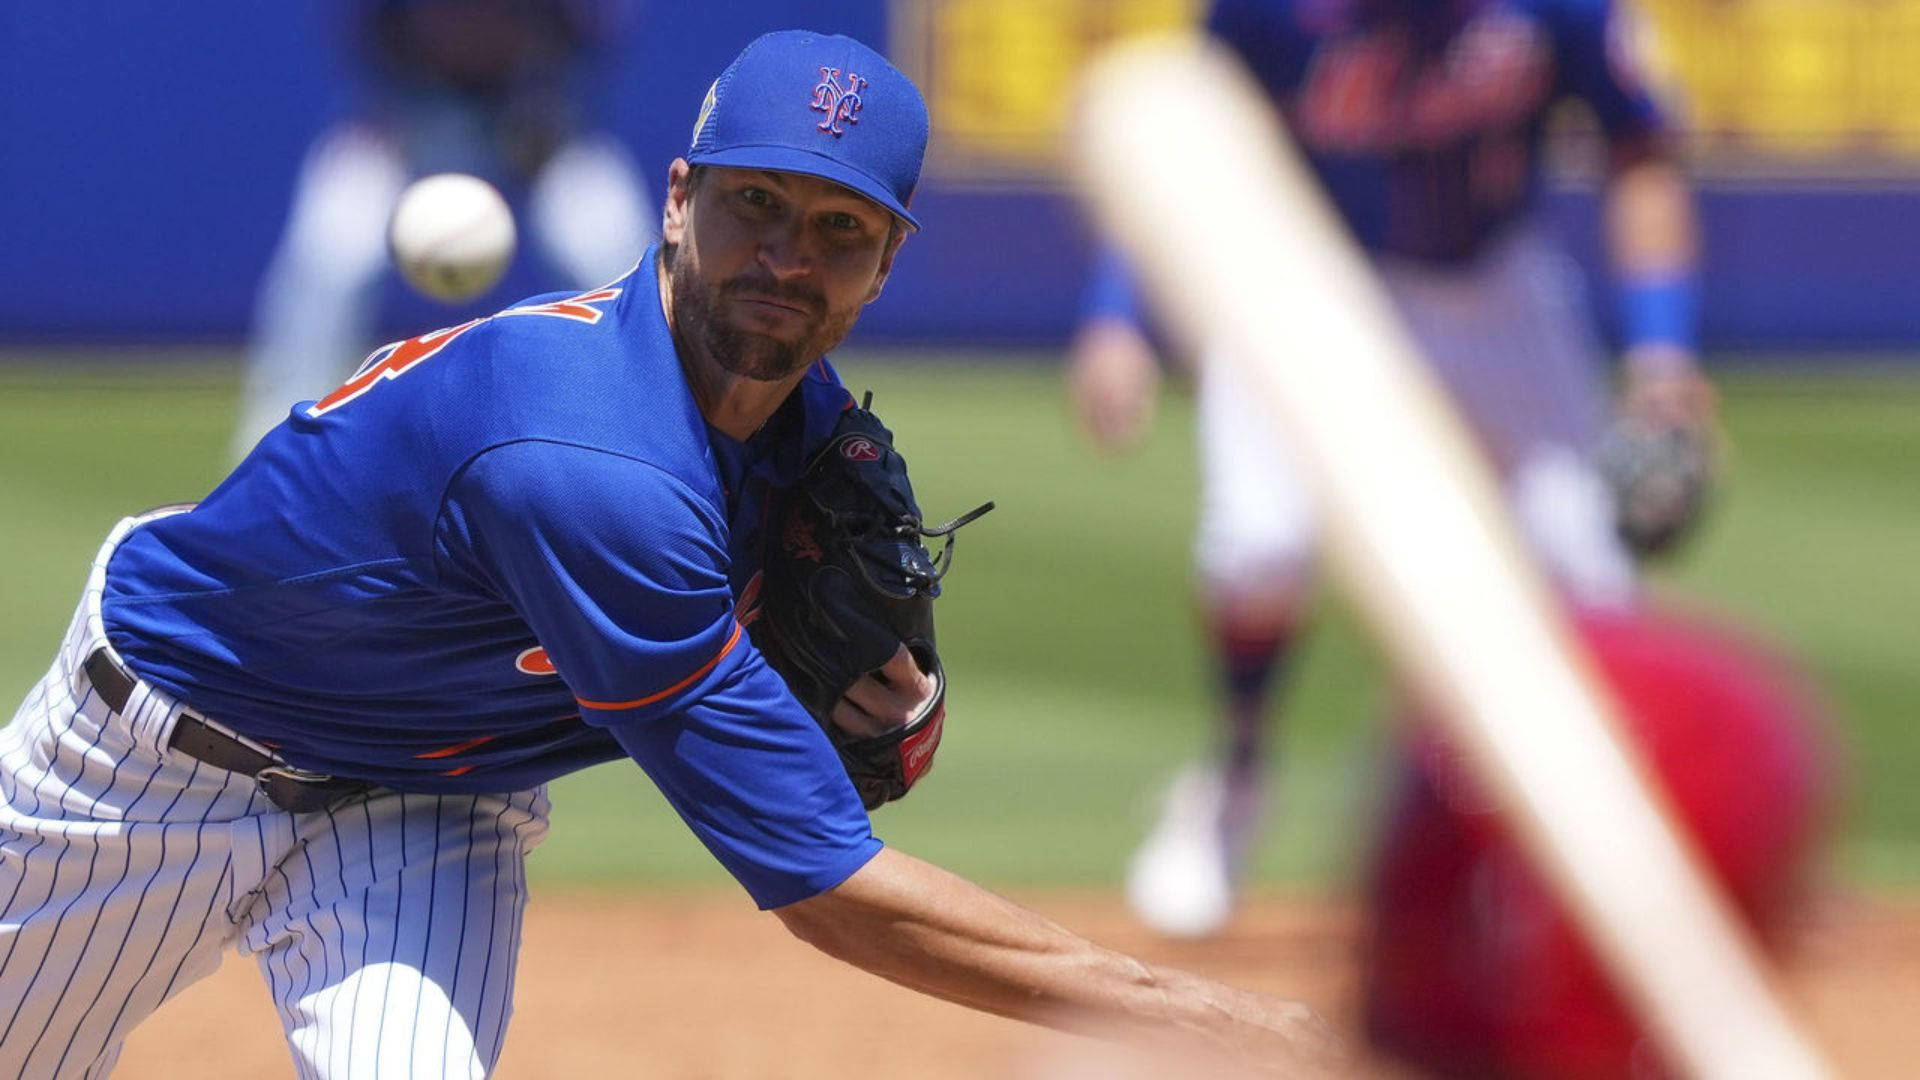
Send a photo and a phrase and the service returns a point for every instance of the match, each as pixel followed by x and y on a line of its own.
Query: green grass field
pixel 1078 682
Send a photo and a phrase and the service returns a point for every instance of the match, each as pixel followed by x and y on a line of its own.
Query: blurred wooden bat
pixel 1187 169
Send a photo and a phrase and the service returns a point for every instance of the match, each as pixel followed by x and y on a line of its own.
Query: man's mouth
pixel 763 296
pixel 773 302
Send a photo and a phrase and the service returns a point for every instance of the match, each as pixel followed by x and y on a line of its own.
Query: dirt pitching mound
pixel 702 985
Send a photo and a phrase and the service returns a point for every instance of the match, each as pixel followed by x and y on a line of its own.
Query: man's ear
pixel 673 217
pixel 894 241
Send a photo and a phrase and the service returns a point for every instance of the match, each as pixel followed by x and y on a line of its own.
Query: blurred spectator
pixel 1472 970
pixel 488 87
pixel 1425 120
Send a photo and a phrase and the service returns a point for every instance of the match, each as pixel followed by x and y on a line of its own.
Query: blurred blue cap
pixel 821 105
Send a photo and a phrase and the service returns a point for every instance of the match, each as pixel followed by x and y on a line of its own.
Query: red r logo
pixel 860 449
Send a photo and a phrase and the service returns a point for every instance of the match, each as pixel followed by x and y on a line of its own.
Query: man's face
pixel 771 269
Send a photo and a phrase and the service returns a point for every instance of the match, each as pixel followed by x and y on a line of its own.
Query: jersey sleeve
pixel 1600 64
pixel 1110 291
pixel 620 570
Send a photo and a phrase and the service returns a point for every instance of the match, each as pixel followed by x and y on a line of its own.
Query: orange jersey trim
pixel 456 748
pixel 676 687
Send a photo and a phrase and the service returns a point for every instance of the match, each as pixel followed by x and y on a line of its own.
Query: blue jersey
pixel 501 552
pixel 1425 119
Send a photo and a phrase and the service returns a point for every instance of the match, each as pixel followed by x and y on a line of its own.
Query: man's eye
pixel 842 221
pixel 756 196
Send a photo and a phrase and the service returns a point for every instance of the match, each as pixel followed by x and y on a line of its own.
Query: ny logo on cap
pixel 840 104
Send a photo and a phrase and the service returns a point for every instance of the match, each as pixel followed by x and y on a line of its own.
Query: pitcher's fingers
pixel 857 722
pixel 902 672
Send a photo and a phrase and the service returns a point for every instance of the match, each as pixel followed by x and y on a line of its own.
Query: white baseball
pixel 451 236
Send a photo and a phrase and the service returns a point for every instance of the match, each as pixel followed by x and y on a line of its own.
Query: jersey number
pixel 395 360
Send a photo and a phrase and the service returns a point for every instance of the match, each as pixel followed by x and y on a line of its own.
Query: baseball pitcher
pixel 313 717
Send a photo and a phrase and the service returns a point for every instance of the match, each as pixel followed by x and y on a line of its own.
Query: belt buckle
pixel 295 790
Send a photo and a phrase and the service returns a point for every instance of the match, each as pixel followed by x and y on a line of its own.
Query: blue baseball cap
pixel 820 105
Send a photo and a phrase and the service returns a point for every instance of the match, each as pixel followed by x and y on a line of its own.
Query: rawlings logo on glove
pixel 850 583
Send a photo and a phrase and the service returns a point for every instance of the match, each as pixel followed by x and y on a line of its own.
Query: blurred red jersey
pixel 1473 970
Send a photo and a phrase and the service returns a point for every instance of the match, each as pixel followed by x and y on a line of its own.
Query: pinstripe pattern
pixel 1510 339
pixel 386 928
pixel 396 959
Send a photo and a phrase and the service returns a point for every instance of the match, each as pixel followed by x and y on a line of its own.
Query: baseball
pixel 451 236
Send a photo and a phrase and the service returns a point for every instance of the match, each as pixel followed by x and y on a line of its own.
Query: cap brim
pixel 807 163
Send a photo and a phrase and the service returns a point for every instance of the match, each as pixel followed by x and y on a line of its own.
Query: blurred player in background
pixel 476 86
pixel 1425 120
pixel 1471 969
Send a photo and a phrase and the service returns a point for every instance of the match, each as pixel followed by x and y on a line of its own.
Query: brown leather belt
pixel 296 790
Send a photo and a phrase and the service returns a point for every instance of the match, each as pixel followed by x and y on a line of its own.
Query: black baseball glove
pixel 847 582
pixel 1661 475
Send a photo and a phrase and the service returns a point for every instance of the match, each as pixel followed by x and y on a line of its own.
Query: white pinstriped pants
pixel 1511 340
pixel 387 928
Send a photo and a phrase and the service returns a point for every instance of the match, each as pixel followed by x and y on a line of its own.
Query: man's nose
pixel 787 249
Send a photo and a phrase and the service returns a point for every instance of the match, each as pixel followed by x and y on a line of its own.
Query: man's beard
pixel 750 355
